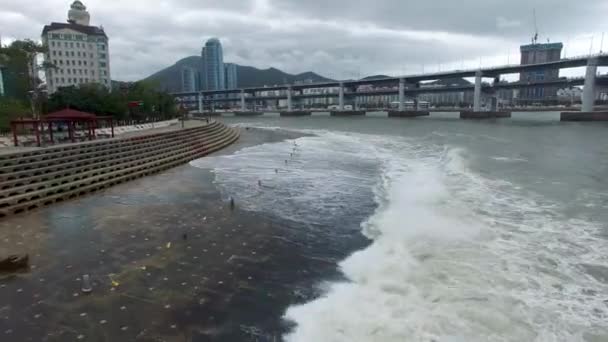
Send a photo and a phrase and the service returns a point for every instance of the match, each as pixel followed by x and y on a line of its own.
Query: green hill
pixel 170 78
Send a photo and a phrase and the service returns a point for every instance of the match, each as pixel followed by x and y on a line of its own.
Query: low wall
pixel 407 113
pixel 296 113
pixel 118 130
pixel 206 114
pixel 484 115
pixel 346 112
pixel 584 116
pixel 6 141
pixel 247 113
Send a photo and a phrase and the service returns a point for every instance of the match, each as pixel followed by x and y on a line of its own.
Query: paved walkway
pixel 187 124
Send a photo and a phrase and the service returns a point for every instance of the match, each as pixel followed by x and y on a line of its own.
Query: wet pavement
pixel 169 261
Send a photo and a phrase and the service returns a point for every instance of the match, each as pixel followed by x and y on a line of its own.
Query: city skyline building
pixel 539 53
pixel 188 80
pixel 212 69
pixel 1 81
pixel 79 51
pixel 530 54
pixel 231 75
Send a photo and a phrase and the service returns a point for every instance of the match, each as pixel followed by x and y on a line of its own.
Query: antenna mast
pixel 535 38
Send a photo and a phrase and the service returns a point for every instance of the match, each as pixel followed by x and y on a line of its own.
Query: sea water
pixel 479 231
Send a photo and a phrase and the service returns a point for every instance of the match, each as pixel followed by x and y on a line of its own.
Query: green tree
pixel 15 72
pixel 94 98
pixel 11 109
pixel 21 69
pixel 156 104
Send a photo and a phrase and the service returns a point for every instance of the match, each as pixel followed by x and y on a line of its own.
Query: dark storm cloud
pixel 338 38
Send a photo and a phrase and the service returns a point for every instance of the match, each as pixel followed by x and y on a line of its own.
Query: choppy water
pixel 480 231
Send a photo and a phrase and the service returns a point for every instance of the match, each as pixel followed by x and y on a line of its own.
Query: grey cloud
pixel 243 6
pixel 338 38
pixel 463 16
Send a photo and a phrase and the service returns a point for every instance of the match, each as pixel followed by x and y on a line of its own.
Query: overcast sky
pixel 336 38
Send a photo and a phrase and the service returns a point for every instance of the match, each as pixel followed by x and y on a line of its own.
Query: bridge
pixel 410 86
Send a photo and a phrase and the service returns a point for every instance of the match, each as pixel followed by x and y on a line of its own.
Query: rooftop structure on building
pixel 79 51
pixel 78 14
pixel 539 53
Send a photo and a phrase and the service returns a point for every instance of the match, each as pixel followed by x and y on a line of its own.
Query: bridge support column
pixel 341 97
pixel 243 106
pixel 477 92
pixel 401 94
pixel 289 103
pixel 589 87
pixel 200 102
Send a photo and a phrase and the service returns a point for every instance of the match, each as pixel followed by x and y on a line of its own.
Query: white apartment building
pixel 79 51
pixel 1 82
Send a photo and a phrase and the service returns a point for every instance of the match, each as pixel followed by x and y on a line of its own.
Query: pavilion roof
pixel 70 114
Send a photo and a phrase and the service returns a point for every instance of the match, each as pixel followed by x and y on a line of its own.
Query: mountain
pixel 170 78
pixel 253 77
pixel 375 77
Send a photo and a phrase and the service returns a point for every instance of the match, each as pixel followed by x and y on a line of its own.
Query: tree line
pixel 25 95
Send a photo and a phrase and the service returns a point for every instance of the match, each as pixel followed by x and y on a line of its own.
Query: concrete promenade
pixel 103 134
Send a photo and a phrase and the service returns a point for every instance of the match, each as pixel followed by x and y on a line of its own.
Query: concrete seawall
pixel 247 113
pixel 211 114
pixel 484 115
pixel 584 116
pixel 296 113
pixel 347 113
pixel 33 179
pixel 407 113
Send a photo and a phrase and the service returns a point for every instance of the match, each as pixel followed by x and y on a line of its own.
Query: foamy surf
pixel 449 263
pixel 509 159
pixel 455 256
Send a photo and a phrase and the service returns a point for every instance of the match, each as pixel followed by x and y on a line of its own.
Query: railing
pixel 422 90
pixel 132 122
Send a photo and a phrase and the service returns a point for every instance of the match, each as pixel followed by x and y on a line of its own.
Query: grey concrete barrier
pixel 37 190
pixel 484 115
pixel 584 116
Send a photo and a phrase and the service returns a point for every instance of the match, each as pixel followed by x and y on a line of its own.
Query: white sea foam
pixel 309 181
pixel 456 256
pixel 509 159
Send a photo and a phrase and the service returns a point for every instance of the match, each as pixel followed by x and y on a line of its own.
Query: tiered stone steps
pixel 33 179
